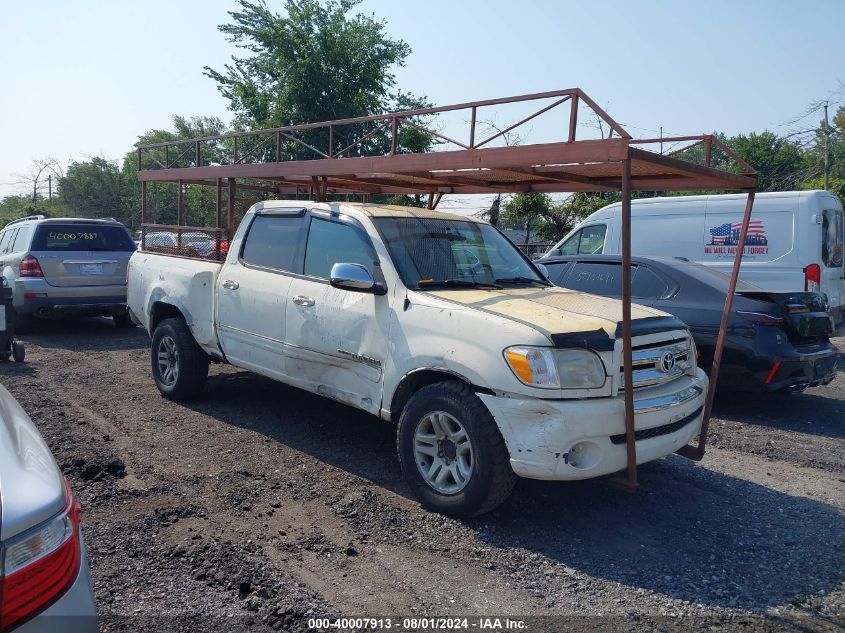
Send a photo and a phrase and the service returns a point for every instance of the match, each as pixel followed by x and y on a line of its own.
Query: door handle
pixel 231 285
pixel 303 301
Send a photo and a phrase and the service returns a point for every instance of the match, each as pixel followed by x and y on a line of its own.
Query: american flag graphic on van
pixel 728 234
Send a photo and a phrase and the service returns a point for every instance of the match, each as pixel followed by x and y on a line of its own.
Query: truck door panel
pixel 252 293
pixel 337 338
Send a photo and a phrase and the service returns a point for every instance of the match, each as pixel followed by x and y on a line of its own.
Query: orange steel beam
pixel 381 117
pixel 739 181
pixel 522 121
pixel 604 115
pixel 627 352
pixel 593 151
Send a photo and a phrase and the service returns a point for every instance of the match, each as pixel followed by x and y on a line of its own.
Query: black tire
pixel 122 320
pixel 491 478
pixel 18 352
pixel 191 361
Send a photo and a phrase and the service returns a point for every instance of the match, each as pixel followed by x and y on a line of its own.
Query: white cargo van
pixel 795 240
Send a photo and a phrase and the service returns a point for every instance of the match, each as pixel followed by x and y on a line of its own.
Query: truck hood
pixel 551 310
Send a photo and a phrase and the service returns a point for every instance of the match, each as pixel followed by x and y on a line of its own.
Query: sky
pixel 85 78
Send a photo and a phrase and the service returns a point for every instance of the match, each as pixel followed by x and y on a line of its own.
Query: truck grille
pixel 656 362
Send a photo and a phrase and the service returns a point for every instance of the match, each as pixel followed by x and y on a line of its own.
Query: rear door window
pixel 833 241
pixel 7 240
pixel 273 242
pixel 646 284
pixel 21 239
pixel 605 279
pixel 81 237
pixel 596 278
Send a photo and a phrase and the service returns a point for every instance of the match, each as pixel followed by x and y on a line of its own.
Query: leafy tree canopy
pixel 315 62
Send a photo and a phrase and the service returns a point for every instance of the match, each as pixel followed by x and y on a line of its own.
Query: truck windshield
pixel 440 253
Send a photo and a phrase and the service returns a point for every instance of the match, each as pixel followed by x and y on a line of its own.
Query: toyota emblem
pixel 667 362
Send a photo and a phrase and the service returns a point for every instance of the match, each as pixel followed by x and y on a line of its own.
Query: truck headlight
pixel 551 368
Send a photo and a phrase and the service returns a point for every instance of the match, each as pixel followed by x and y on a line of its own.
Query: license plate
pixel 90 269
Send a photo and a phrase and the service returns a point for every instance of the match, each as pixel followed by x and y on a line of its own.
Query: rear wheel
pixel 18 352
pixel 452 453
pixel 179 365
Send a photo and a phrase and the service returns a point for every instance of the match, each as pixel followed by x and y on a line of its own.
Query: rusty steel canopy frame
pixel 271 162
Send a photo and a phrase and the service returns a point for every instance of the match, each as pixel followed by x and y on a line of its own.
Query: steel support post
pixel 145 217
pixel 697 452
pixel 627 362
pixel 573 117
pixel 218 209
pixel 180 206
pixel 230 211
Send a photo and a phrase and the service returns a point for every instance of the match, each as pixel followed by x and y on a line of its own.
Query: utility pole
pixel 661 140
pixel 49 186
pixel 826 149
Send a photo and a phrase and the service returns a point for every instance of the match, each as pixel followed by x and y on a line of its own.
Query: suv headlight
pixel 551 368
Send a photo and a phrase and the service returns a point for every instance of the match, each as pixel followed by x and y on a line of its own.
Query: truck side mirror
pixel 354 277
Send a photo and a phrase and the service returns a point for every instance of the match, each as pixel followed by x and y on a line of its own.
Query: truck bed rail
pixel 185 241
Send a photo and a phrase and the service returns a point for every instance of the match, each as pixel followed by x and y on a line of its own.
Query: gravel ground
pixel 259 506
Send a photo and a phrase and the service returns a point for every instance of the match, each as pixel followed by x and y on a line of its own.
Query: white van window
pixel 833 241
pixel 587 241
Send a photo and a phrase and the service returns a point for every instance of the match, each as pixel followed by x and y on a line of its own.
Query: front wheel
pixel 452 453
pixel 179 365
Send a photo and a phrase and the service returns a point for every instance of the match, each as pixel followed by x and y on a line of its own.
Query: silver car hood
pixel 31 484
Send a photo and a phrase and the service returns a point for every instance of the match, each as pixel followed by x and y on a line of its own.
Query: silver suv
pixel 67 266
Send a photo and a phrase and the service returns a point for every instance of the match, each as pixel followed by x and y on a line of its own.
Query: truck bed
pixel 156 280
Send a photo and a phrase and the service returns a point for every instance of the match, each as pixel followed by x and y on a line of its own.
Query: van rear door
pixel 833 255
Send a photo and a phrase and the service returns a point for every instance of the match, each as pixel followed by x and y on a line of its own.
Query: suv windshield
pixel 442 253
pixel 81 237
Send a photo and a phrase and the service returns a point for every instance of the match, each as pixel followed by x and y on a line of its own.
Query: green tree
pixel 315 63
pixel 778 161
pixel 162 197
pixel 18 206
pixel 527 211
pixel 99 188
pixel 493 214
pixel 14 207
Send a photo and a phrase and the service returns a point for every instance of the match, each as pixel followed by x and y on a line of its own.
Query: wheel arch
pixel 167 309
pixel 416 379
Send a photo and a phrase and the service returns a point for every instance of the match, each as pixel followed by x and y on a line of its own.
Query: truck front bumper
pixel 580 439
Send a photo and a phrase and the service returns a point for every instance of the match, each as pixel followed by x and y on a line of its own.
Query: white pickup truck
pixel 435 322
